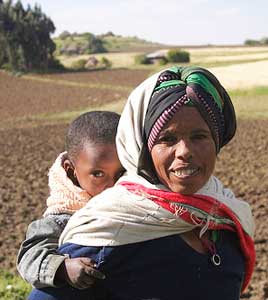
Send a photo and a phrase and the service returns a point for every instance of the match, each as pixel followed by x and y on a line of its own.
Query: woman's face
pixel 184 154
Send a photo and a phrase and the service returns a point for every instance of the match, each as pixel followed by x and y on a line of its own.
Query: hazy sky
pixel 178 22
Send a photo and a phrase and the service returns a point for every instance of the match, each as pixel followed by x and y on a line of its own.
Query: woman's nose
pixel 183 150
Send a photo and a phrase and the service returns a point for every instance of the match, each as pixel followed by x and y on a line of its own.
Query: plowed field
pixel 28 152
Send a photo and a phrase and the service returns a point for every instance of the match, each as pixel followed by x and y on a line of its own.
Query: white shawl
pixel 117 216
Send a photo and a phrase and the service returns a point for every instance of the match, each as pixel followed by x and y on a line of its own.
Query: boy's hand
pixel 79 272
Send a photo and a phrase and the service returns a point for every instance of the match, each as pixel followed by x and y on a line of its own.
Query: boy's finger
pixel 87 281
pixel 95 273
pixel 82 286
pixel 88 261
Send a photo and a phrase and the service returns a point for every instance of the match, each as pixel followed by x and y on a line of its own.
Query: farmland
pixel 35 111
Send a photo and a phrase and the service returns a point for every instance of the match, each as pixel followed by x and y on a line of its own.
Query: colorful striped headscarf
pixel 192 86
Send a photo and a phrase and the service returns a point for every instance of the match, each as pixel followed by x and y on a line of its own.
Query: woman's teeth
pixel 185 172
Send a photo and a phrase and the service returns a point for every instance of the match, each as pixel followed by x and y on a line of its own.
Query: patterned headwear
pixel 191 86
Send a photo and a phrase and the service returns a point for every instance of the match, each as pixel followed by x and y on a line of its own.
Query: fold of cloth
pixel 124 215
pixel 138 211
pixel 65 196
pixel 207 213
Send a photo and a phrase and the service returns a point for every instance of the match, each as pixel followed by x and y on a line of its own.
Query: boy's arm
pixel 38 259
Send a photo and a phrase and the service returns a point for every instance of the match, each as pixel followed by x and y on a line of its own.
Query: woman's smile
pixel 185 172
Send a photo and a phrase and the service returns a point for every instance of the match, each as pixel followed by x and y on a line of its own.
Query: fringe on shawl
pixel 215 215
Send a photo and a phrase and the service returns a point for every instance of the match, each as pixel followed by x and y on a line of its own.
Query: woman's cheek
pixel 161 156
pixel 159 151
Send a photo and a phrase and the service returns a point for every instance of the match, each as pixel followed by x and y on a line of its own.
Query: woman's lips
pixel 185 172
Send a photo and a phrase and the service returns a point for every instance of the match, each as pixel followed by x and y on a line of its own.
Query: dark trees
pixel 25 43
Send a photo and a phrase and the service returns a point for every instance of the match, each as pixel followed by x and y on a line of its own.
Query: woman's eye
pixel 98 174
pixel 199 136
pixel 167 139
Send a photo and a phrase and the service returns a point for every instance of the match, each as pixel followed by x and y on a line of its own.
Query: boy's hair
pixel 97 127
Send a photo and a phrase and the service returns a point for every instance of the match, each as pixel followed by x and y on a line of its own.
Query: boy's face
pixel 97 167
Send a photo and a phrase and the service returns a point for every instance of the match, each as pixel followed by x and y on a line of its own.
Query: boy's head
pixel 92 161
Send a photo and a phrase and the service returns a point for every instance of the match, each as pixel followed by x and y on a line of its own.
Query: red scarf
pixel 209 206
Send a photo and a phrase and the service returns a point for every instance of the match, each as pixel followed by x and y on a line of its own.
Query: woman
pixel 168 229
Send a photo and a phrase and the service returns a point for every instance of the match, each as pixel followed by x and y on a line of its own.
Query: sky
pixel 171 22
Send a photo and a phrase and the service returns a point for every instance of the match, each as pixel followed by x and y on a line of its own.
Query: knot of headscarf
pixel 192 86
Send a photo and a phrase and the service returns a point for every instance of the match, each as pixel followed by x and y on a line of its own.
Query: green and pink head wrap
pixel 191 86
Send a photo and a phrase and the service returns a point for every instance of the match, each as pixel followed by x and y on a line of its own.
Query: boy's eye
pixel 97 174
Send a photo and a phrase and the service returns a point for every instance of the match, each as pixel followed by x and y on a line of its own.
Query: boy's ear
pixel 69 168
pixel 67 165
pixel 70 171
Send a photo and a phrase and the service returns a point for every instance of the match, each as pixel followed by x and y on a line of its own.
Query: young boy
pixel 89 166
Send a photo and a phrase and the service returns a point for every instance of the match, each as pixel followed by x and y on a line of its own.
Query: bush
pixel 95 45
pixel 163 61
pixel 65 34
pixel 251 42
pixel 141 59
pixel 264 41
pixel 79 64
pixel 55 65
pixel 7 66
pixel 178 55
pixel 105 62
pixel 13 287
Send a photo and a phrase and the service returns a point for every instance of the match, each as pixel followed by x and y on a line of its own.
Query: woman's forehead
pixel 186 117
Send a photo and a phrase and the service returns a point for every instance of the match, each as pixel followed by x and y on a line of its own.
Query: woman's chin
pixel 185 185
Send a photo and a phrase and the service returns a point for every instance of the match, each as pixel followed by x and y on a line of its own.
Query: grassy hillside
pixel 128 44
pixel 111 42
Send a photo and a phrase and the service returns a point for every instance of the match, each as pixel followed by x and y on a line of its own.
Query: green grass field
pixel 13 287
pixel 205 56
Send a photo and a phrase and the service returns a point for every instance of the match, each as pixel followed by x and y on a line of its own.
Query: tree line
pixel 25 43
pixel 83 43
pixel 261 42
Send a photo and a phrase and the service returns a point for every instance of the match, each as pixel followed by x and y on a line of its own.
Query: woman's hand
pixel 78 272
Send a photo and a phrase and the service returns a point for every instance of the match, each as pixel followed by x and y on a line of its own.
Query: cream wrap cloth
pixel 65 197
pixel 117 216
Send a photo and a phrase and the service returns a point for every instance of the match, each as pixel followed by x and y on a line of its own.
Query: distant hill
pixel 117 43
pixel 88 43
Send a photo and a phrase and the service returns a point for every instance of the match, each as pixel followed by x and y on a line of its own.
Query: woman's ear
pixel 146 167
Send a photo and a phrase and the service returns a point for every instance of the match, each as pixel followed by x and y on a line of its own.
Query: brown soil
pixel 21 97
pixel 27 153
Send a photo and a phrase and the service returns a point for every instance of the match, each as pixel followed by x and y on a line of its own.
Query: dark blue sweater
pixel 161 269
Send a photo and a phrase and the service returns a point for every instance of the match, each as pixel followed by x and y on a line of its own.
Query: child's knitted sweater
pixel 38 259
